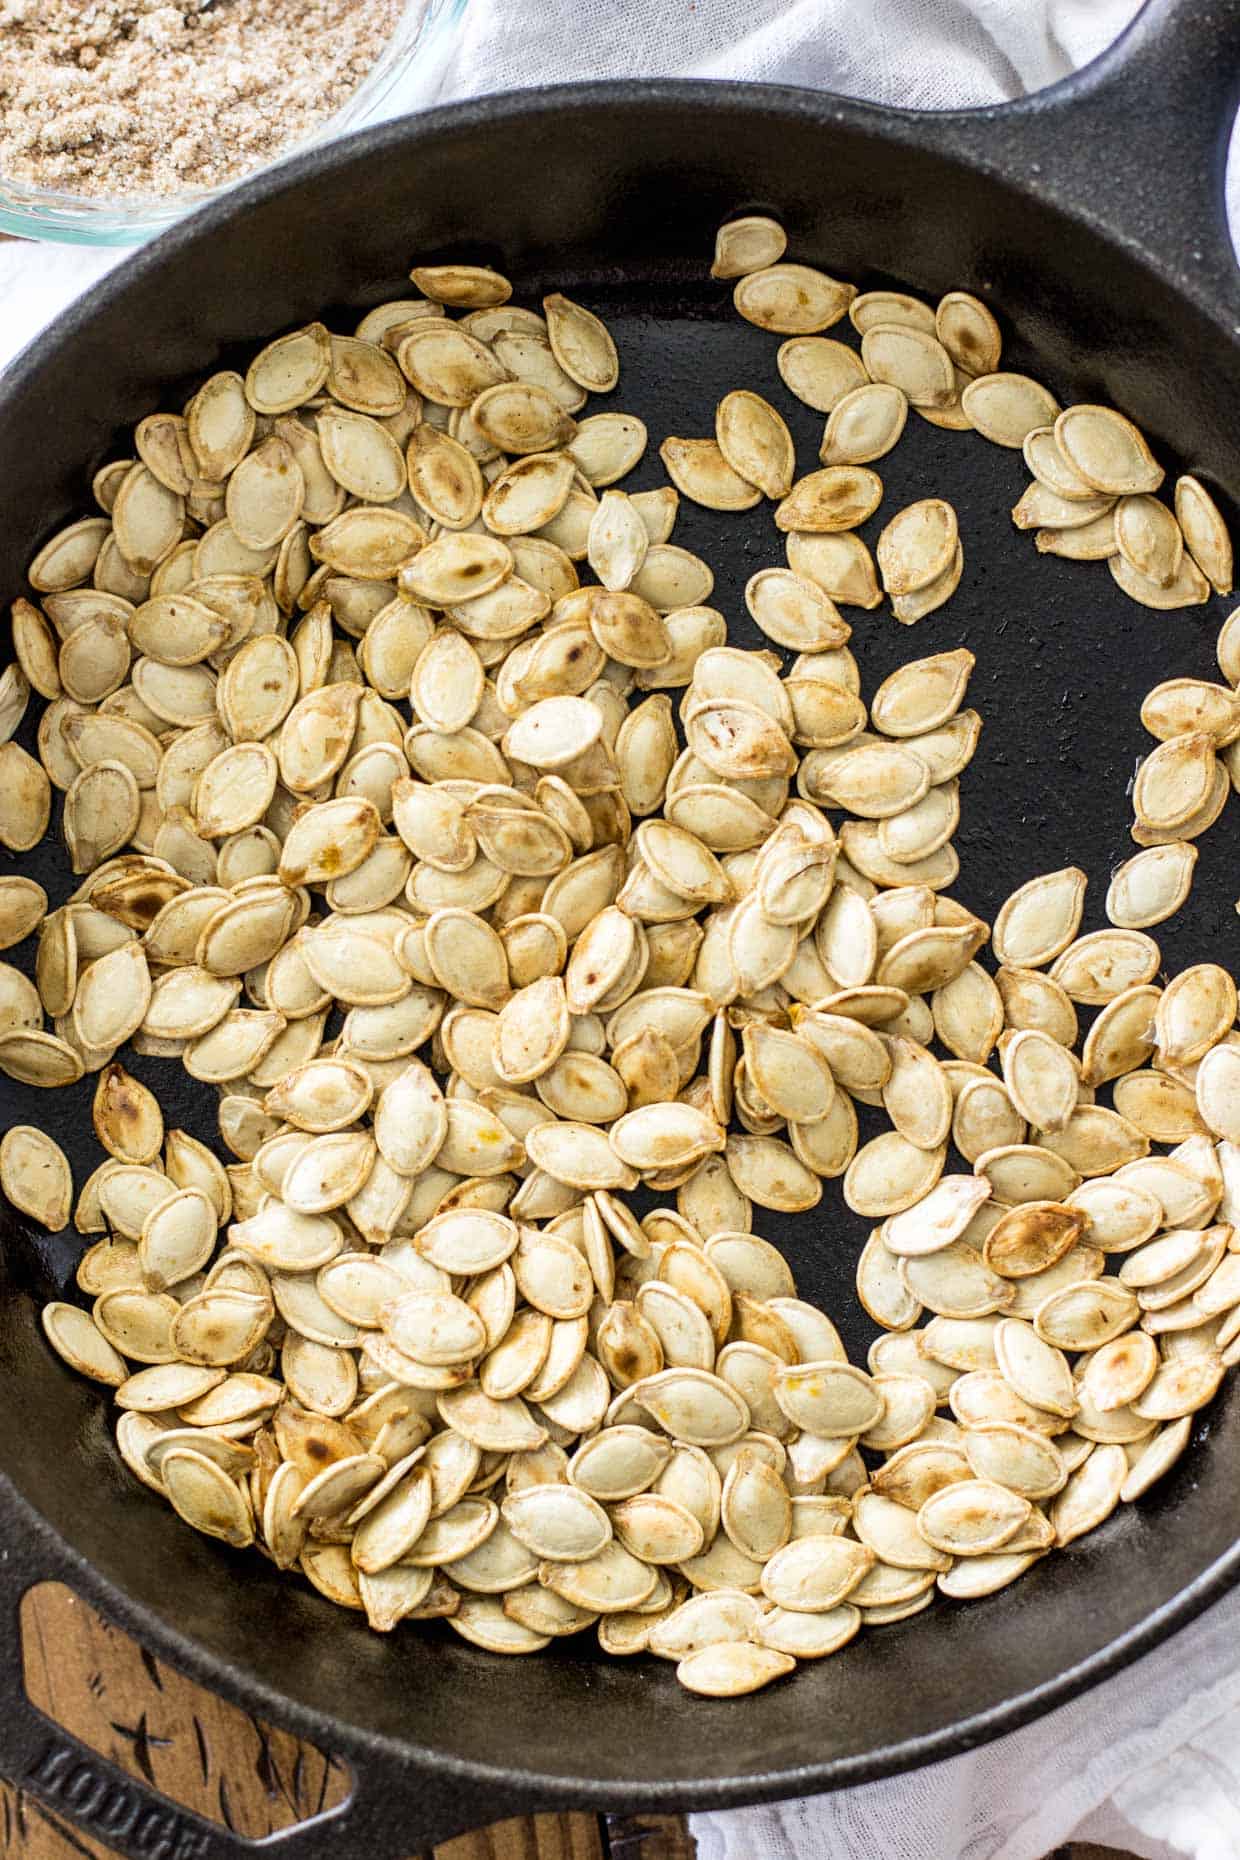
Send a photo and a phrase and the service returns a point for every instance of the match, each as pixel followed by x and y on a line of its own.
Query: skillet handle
pixel 394 1806
pixel 1135 142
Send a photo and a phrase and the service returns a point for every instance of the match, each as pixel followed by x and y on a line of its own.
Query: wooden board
pixel 214 1758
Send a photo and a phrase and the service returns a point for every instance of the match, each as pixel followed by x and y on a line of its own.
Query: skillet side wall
pixel 617 201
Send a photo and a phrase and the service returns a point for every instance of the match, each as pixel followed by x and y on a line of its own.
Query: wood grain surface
pixel 212 1757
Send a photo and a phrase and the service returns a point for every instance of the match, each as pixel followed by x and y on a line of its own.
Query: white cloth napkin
pixel 1150 1761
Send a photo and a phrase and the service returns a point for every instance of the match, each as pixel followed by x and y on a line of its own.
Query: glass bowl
pixel 405 77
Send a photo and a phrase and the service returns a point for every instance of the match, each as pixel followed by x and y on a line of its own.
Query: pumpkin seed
pixel 1040 918
pixel 838 497
pixel 751 243
pixel 1090 1495
pixel 911 359
pixel 204 1495
pixel 917 546
pixel 819 371
pixel 581 344
pixel 792 300
pixel 864 424
pixel 1187 588
pixel 732 1669
pixel 1007 408
pixel 755 442
pixel 1035 1369
pixel 1155 1459
pixel 1194 1012
pixel 1205 533
pixel 700 472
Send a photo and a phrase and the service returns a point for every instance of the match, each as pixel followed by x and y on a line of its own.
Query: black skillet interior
pixel 615 195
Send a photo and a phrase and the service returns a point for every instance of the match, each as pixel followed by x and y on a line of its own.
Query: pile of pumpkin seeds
pixel 412 1340
pixel 1091 498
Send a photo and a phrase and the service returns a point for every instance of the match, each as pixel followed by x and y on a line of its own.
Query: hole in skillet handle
pixel 163 1730
pixel 141 1759
pixel 104 1739
pixel 122 1724
pixel 1135 143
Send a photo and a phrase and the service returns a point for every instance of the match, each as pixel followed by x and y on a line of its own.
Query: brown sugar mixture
pixel 149 97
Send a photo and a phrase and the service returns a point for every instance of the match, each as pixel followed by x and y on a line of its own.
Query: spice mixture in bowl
pixel 117 115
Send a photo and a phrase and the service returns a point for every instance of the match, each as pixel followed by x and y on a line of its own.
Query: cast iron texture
pixel 1090 217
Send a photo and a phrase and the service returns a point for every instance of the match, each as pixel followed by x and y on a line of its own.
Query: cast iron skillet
pixel 1091 216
